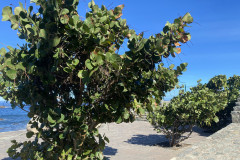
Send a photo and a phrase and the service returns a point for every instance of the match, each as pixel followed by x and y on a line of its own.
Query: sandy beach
pixel 128 141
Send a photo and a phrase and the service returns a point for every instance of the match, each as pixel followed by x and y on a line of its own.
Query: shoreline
pixel 2 134
pixel 14 131
pixel 12 120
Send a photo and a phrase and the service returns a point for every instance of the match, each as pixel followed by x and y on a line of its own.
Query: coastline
pixel 12 119
pixel 13 131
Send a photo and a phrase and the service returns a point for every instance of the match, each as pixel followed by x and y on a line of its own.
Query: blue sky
pixel 215 45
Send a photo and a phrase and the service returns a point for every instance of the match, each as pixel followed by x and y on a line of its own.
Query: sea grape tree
pixel 232 87
pixel 70 72
pixel 196 107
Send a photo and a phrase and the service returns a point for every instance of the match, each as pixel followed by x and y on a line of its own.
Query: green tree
pixel 196 107
pixel 70 73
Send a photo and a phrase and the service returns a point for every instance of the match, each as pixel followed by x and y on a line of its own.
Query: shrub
pixel 198 106
pixel 232 87
pixel 70 73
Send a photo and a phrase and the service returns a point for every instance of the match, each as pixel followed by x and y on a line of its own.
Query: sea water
pixel 12 119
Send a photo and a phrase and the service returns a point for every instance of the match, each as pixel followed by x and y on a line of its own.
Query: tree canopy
pixel 72 75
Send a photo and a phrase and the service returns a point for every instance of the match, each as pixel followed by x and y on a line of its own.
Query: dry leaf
pixel 121 6
pixel 177 44
pixel 184 39
pixel 118 16
pixel 178 50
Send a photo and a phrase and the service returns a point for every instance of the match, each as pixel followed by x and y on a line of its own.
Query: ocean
pixel 12 119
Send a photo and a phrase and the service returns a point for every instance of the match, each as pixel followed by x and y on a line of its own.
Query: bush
pixel 232 87
pixel 198 106
pixel 70 73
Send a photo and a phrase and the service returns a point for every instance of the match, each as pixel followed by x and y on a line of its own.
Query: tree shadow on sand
pixel 201 131
pixel 8 158
pixel 149 140
pixel 109 151
pixel 159 140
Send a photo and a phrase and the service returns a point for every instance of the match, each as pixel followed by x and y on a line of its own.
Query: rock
pixel 2 107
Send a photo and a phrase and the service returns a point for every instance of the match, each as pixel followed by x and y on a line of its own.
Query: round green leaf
pixel 42 33
pixel 64 19
pixel 75 62
pixel 64 11
pixel 187 18
pixel 80 74
pixel 6 13
pixel 50 119
pixel 17 10
pixel 88 64
pixel 12 74
pixel 14 26
pixel 126 115
pixel 55 41
pixel 29 134
pixel 3 51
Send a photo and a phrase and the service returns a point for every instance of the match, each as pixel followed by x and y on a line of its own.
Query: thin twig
pixel 3 44
pixel 23 109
